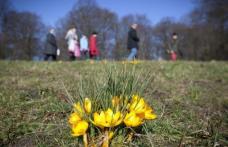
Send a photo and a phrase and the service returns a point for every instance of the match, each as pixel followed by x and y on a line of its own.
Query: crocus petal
pixel 135 97
pixel 99 119
pixel 149 115
pixel 148 108
pixel 74 118
pixel 108 117
pixel 117 119
pixel 87 105
pixel 138 106
pixel 132 120
pixel 78 108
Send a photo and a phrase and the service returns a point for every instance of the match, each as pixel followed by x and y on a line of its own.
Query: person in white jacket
pixel 72 41
pixel 84 46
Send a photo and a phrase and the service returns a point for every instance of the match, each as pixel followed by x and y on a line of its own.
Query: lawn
pixel 189 98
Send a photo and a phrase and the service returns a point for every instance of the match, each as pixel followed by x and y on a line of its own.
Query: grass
pixel 190 99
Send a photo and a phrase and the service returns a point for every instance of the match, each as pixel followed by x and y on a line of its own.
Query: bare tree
pixel 87 17
pixel 209 29
pixel 22 34
pixel 4 9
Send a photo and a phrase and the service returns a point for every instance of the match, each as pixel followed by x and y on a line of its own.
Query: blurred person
pixel 173 47
pixel 73 45
pixel 84 46
pixel 93 49
pixel 50 46
pixel 132 42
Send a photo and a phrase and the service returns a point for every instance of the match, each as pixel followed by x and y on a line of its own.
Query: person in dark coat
pixel 51 46
pixel 132 42
pixel 174 51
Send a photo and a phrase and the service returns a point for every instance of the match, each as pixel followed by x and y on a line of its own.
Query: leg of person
pixel 93 57
pixel 135 53
pixel 54 58
pixel 87 55
pixel 46 57
pixel 71 56
pixel 90 56
pixel 132 54
pixel 82 55
pixel 136 56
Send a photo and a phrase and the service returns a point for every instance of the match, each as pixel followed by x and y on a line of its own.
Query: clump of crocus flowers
pixel 130 112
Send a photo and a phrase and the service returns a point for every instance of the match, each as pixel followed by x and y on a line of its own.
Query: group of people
pixel 80 46
pixel 133 44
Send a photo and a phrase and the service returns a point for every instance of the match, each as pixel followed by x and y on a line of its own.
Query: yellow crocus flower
pixel 78 109
pixel 87 105
pixel 74 118
pixel 132 120
pixel 99 119
pixel 113 119
pixel 107 118
pixel 80 128
pixel 139 106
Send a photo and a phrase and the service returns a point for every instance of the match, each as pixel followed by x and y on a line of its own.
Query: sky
pixel 51 11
